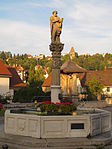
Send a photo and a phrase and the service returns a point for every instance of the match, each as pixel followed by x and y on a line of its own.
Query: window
pixel 108 89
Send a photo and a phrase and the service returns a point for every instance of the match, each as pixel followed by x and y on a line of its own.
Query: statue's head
pixel 55 13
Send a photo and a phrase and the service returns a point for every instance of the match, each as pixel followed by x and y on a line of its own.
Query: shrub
pixel 3 100
pixel 94 88
pixel 58 108
pixel 65 109
pixel 48 107
pixel 27 94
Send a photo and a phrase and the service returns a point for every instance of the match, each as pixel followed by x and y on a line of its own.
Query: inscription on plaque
pixel 77 126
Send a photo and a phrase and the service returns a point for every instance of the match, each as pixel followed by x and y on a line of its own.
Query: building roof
pixel 71 67
pixel 47 81
pixel 3 70
pixel 104 77
pixel 67 68
pixel 15 79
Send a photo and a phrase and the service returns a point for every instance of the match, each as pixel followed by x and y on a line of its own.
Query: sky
pixel 25 25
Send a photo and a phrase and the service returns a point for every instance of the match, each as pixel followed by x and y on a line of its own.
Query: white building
pixel 9 80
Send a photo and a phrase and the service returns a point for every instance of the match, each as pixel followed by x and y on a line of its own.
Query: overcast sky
pixel 87 26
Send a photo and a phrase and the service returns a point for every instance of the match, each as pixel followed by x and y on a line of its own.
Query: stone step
pixel 18 146
pixel 31 143
pixel 22 142
pixel 51 143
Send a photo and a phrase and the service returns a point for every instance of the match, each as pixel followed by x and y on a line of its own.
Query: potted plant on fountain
pixel 50 108
pixel 1 110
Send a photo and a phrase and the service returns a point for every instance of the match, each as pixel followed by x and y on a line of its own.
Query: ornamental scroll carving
pixel 56 54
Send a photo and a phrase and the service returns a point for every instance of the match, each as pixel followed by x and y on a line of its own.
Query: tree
pixel 3 56
pixel 36 77
pixel 31 77
pixel 65 58
pixel 94 88
pixel 39 77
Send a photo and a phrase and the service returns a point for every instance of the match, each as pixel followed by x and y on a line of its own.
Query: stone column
pixel 56 49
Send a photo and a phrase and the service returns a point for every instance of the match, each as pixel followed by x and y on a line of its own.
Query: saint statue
pixel 56 27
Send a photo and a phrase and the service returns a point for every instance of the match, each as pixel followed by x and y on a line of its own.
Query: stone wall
pixel 58 126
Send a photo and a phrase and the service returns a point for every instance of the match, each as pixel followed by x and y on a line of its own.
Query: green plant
pixel 42 107
pixel 58 108
pixel 2 112
pixel 27 94
pixel 94 88
pixel 65 109
pixel 3 99
pixel 99 147
pixel 49 108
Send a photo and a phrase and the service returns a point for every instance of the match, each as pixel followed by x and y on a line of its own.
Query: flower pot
pixel 74 113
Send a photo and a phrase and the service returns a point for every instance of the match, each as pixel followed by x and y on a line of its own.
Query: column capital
pixel 56 47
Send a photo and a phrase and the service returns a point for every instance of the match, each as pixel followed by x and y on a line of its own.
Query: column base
pixel 55 91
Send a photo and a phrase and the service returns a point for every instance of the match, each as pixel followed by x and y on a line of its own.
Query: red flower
pixel 64 103
pixel 47 102
pixel 1 106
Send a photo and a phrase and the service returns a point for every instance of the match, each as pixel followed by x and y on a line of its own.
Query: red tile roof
pixel 15 79
pixel 47 82
pixel 104 77
pixel 67 68
pixel 3 69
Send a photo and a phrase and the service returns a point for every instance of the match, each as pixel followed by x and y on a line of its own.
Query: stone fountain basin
pixel 81 125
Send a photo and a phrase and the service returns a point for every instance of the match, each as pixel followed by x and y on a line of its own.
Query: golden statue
pixel 56 27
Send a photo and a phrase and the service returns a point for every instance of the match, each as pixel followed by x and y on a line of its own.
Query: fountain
pixel 73 123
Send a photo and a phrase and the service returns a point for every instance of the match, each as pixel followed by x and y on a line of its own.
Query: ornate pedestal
pixel 56 49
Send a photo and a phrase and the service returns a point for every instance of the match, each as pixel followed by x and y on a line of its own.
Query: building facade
pixel 74 80
pixel 9 80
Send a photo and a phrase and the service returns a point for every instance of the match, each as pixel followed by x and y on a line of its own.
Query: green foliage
pixel 89 62
pixel 27 94
pixel 94 87
pixel 49 108
pixel 39 76
pixel 57 109
pixel 67 109
pixel 36 77
pixel 4 99
pixel 48 66
pixel 65 58
pixel 2 112
pixel 31 77
pixel 100 147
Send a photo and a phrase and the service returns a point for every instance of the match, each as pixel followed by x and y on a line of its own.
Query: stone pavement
pixel 20 142
pixel 1 124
